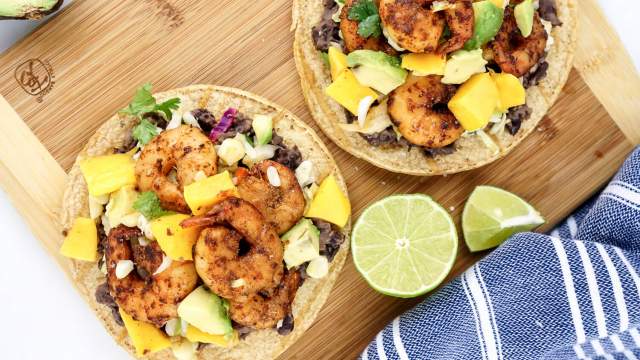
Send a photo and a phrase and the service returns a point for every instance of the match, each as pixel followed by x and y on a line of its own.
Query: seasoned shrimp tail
pixel 419 109
pixel 185 149
pixel 154 299
pixel 264 312
pixel 282 205
pixel 514 53
pixel 460 20
pixel 228 268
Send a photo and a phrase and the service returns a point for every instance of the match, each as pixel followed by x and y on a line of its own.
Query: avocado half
pixel 28 9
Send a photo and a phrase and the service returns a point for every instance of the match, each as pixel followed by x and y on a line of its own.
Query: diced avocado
pixel 488 20
pixel 524 17
pixel 206 311
pixel 28 9
pixel 462 65
pixel 120 206
pixel 301 243
pixel 263 127
pixel 377 70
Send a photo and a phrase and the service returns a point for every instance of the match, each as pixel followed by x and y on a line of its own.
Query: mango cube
pixel 194 334
pixel 106 174
pixel 202 194
pixel 145 337
pixel 337 61
pixel 176 241
pixel 510 89
pixel 475 102
pixel 348 92
pixel 330 203
pixel 425 64
pixel 499 3
pixel 81 242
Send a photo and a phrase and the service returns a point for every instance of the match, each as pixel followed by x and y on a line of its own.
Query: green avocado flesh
pixel 488 20
pixel 302 243
pixel 27 9
pixel 524 17
pixel 377 70
pixel 206 311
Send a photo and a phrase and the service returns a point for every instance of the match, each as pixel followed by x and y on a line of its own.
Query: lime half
pixel 404 245
pixel 491 215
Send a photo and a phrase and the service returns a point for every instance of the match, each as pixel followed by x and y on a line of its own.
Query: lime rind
pixel 486 225
pixel 428 265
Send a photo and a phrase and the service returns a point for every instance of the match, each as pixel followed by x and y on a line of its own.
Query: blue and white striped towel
pixel 574 294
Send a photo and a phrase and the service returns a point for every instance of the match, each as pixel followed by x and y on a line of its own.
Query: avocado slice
pixel 302 243
pixel 28 9
pixel 377 70
pixel 488 20
pixel 524 17
pixel 206 311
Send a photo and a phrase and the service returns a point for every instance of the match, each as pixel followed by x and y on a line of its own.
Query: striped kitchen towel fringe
pixel 572 294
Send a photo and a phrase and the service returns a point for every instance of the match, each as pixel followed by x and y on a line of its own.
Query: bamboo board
pixel 97 52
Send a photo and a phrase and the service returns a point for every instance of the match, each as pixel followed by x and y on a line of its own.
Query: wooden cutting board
pixel 77 70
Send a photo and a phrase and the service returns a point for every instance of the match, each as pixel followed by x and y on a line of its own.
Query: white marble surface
pixel 44 317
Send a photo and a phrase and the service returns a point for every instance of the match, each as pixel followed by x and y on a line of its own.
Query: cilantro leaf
pixel 370 27
pixel 143 102
pixel 362 9
pixel 167 106
pixel 144 132
pixel 148 205
pixel 366 13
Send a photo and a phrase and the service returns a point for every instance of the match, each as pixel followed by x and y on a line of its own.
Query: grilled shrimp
pixel 419 109
pixel 514 53
pixel 460 20
pixel 155 300
pixel 283 205
pixel 412 24
pixel 226 268
pixel 185 149
pixel 353 41
pixel 264 312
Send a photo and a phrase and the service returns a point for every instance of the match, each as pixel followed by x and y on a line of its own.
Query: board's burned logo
pixel 35 77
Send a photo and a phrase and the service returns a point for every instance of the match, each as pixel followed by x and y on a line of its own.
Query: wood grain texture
pixel 101 50
pixel 606 67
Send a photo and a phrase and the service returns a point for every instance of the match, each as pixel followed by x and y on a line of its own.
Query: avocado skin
pixel 34 14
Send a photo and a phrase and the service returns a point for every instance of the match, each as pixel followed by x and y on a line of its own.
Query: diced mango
pixel 201 195
pixel 337 61
pixel 425 64
pixel 348 92
pixel 120 207
pixel 194 334
pixel 106 174
pixel 499 3
pixel 510 89
pixel 81 242
pixel 145 337
pixel 475 102
pixel 176 241
pixel 330 203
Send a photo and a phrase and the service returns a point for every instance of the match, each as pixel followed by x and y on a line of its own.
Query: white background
pixel 43 316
